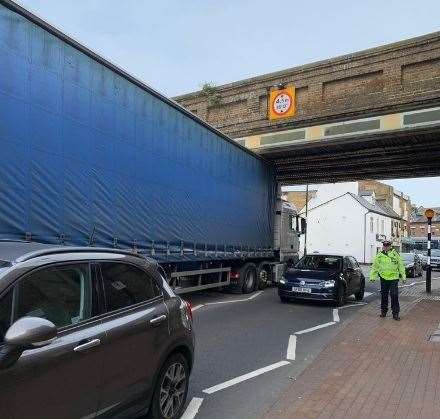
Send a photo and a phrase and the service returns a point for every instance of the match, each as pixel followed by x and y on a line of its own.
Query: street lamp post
pixel 429 214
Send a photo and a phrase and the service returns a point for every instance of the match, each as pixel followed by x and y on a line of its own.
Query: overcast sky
pixel 176 45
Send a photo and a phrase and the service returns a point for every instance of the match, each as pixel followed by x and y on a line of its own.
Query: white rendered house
pixel 341 221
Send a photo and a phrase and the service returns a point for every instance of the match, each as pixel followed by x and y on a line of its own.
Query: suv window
pixel 61 294
pixel 5 314
pixel 126 285
pixel 353 262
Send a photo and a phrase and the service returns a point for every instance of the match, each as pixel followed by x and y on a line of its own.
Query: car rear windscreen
pixel 320 263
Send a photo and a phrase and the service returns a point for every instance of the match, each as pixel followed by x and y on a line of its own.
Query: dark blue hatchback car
pixel 323 277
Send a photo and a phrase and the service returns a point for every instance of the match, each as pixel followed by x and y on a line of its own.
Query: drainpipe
pixel 365 234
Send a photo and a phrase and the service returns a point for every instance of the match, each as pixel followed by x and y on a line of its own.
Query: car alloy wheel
pixel 172 390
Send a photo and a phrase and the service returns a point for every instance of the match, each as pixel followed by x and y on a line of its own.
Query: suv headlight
pixel 328 284
pixel 282 280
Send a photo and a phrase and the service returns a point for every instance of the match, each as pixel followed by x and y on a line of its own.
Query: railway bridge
pixel 373 114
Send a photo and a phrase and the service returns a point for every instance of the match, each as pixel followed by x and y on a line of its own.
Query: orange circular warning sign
pixel 282 103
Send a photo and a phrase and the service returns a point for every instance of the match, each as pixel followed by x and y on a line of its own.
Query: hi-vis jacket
pixel 388 266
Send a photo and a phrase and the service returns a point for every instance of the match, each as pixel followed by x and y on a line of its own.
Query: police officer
pixel 388 266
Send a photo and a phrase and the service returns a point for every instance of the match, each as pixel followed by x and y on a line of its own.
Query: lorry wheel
pixel 263 276
pixel 249 274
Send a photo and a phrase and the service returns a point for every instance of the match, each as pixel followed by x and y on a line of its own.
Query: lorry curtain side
pixel 86 152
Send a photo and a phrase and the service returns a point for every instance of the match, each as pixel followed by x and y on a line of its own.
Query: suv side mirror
pixel 26 333
pixel 31 331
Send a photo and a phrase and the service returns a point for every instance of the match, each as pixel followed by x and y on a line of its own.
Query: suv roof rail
pixel 57 250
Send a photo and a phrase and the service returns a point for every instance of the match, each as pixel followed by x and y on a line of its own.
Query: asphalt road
pixel 236 336
pixel 240 334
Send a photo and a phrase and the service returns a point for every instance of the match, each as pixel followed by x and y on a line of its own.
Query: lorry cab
pixel 288 227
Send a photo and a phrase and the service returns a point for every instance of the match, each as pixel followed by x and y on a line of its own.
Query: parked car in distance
pixel 90 332
pixel 423 258
pixel 413 264
pixel 323 277
pixel 435 258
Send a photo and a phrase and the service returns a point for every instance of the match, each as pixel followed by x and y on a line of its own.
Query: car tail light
pixel 234 275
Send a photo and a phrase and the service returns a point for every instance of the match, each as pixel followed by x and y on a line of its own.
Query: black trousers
pixel 390 287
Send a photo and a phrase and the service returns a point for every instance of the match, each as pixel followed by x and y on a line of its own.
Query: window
pixel 61 294
pixel 353 262
pixel 5 314
pixel 126 285
pixel 320 263
pixel 350 263
pixel 293 222
pixel 371 225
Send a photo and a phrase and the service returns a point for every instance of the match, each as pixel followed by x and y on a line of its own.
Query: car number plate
pixel 301 289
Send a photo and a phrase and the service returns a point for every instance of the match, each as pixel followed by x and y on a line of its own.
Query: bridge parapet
pixel 390 79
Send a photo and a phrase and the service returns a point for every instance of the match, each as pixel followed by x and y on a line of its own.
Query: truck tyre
pixel 263 276
pixel 248 275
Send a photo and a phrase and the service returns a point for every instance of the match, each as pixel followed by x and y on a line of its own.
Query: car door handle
pixel 87 345
pixel 159 319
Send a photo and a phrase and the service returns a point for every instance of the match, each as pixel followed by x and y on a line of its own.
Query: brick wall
pixel 420 229
pixel 382 191
pixel 385 193
pixel 387 79
pixel 298 198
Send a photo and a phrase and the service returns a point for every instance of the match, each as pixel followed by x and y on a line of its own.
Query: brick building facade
pixel 299 198
pixel 398 201
pixel 418 223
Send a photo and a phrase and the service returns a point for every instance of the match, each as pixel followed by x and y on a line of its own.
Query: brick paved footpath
pixel 374 368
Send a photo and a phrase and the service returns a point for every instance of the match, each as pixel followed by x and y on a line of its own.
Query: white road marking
pixel 353 305
pixel 412 284
pixel 367 294
pixel 312 329
pixel 291 348
pixel 335 315
pixel 245 377
pixel 241 300
pixel 192 409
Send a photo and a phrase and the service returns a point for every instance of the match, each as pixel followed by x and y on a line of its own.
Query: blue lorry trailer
pixel 91 156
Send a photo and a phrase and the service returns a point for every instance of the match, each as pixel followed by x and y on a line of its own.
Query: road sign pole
pixel 429 213
pixel 428 268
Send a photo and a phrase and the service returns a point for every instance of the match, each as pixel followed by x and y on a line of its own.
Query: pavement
pixel 374 367
pixel 259 358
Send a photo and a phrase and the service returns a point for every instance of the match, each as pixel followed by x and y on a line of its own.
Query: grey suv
pixel 89 332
